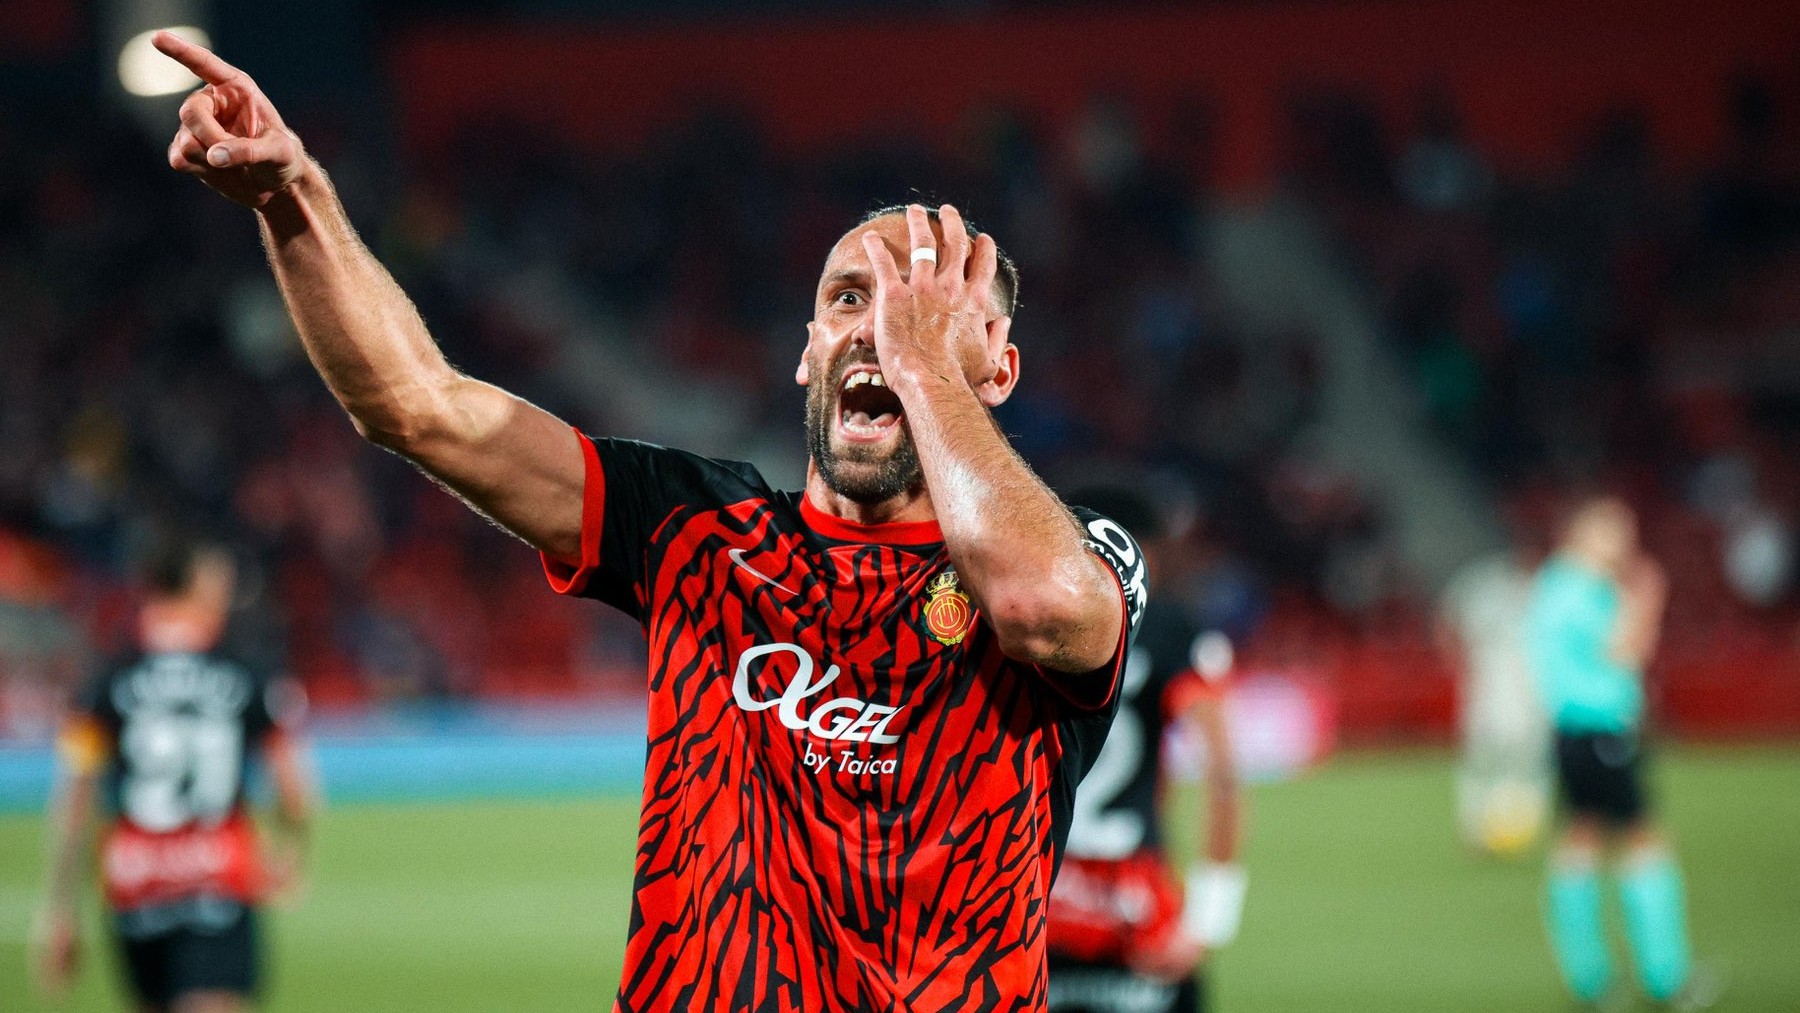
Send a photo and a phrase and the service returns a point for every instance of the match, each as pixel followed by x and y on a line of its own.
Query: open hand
pixel 230 136
pixel 941 315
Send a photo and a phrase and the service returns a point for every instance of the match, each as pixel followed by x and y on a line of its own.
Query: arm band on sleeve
pixel 83 746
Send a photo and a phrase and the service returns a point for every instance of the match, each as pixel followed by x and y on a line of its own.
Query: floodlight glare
pixel 147 73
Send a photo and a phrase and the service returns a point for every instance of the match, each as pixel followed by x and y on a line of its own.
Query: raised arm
pixel 1643 596
pixel 1018 549
pixel 509 459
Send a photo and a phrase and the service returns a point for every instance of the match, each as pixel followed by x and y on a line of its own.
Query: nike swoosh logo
pixel 737 556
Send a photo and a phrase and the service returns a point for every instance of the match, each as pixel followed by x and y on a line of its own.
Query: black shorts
pixel 1601 774
pixel 1079 986
pixel 193 958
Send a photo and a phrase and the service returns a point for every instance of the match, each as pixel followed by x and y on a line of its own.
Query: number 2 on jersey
pixel 1097 830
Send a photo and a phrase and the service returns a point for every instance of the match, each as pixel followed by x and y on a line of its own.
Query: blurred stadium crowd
pixel 1616 322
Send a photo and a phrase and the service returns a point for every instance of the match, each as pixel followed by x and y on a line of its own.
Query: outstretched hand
pixel 942 312
pixel 230 136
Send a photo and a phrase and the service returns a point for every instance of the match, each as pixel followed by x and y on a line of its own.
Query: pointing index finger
pixel 202 61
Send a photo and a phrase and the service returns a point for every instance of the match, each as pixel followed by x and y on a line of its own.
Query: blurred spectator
pixel 1439 170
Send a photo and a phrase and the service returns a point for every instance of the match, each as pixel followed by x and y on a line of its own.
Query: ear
pixel 1006 374
pixel 802 375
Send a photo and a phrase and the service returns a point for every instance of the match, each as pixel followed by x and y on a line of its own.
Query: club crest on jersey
pixel 947 610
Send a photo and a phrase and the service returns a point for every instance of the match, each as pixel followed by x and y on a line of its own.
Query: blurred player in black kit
pixel 164 739
pixel 1127 935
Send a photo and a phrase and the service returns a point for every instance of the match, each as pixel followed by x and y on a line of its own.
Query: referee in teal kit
pixel 1596 612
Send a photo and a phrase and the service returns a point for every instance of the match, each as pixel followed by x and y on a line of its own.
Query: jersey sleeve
pixel 1098 690
pixel 277 707
pixel 89 733
pixel 630 490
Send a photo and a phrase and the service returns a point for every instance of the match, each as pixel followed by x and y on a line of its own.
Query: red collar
pixel 891 533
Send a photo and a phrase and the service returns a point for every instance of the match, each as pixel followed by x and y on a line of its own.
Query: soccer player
pixel 1596 613
pixel 164 737
pixel 1502 786
pixel 870 700
pixel 1125 936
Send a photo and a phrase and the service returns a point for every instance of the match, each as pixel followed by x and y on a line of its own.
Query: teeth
pixel 877 379
pixel 861 424
pixel 855 380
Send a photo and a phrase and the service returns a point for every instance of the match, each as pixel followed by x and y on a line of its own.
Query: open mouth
pixel 867 409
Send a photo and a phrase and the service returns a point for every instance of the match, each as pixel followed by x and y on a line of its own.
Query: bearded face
pixel 856 429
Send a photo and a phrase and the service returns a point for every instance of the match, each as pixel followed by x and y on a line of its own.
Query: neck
pixel 911 505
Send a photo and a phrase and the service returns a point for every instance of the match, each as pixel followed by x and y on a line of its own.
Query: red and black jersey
pixel 853 800
pixel 1116 808
pixel 171 735
pixel 1117 896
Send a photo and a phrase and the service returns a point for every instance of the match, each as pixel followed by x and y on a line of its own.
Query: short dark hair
pixel 169 567
pixel 1127 508
pixel 1007 273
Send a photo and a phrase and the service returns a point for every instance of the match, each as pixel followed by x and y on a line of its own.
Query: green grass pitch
pixel 1360 900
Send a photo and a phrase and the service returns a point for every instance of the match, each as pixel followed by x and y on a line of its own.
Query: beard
pixel 858 472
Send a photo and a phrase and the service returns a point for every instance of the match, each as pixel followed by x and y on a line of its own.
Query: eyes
pixel 849 297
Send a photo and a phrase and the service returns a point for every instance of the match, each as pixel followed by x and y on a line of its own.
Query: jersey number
pixel 180 768
pixel 1095 832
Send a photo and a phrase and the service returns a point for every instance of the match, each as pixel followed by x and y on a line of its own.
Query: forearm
pixel 296 791
pixel 1215 884
pixel 1224 802
pixel 1224 820
pixel 1639 627
pixel 1017 548
pixel 507 458
pixel 68 841
pixel 360 330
